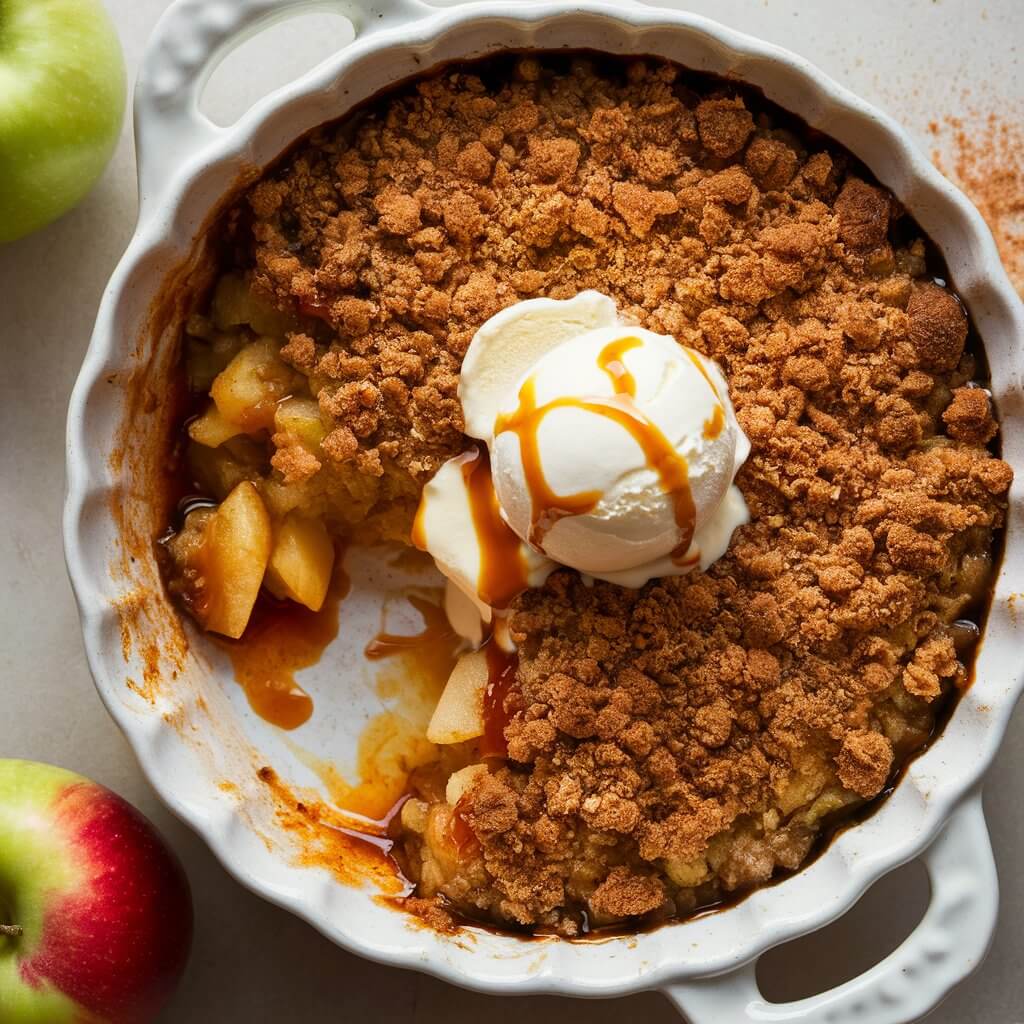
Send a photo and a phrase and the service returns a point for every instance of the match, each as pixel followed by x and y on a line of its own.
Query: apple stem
pixel 12 931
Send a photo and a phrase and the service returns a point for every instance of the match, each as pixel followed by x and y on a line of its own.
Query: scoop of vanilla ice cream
pixel 570 356
pixel 584 450
pixel 609 447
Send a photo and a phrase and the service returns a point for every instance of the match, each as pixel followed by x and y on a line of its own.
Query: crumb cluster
pixel 692 737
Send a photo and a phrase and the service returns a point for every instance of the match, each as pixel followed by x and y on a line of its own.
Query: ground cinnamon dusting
pixel 984 155
pixel 689 738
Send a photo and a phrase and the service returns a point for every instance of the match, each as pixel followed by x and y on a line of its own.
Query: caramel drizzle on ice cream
pixel 610 360
pixel 712 427
pixel 503 571
pixel 661 455
pixel 547 506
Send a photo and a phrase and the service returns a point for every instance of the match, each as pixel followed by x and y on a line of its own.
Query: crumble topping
pixel 693 737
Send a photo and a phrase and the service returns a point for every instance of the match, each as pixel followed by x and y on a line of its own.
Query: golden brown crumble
pixel 673 743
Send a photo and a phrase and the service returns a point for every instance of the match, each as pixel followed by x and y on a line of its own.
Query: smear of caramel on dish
pixel 411 560
pixel 426 660
pixel 326 839
pixel 548 507
pixel 369 804
pixel 411 672
pixel 281 638
pixel 436 631
pixel 348 832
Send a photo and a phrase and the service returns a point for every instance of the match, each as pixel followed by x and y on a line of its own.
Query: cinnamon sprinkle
pixel 984 155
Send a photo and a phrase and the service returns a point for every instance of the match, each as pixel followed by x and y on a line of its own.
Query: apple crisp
pixel 656 749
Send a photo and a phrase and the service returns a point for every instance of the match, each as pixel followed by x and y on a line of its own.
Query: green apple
pixel 95 910
pixel 62 97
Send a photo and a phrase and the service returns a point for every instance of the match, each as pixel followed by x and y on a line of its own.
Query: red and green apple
pixel 95 910
pixel 62 98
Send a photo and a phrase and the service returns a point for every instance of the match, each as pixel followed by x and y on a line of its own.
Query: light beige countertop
pixel 924 60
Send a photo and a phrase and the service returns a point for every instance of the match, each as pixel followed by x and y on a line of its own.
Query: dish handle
pixel 947 945
pixel 186 45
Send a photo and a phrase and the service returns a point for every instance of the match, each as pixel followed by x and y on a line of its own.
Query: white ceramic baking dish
pixel 173 695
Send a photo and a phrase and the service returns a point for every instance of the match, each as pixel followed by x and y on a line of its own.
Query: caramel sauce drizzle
pixel 503 571
pixel 316 308
pixel 501 675
pixel 419 527
pixel 547 506
pixel 661 456
pixel 435 630
pixel 461 833
pixel 699 363
pixel 610 360
pixel 712 427
pixel 281 638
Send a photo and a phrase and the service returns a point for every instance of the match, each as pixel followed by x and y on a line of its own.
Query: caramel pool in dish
pixel 644 751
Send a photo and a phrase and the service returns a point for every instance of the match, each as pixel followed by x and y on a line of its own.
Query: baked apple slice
pixel 301 417
pixel 231 561
pixel 247 390
pixel 459 714
pixel 301 561
pixel 211 429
